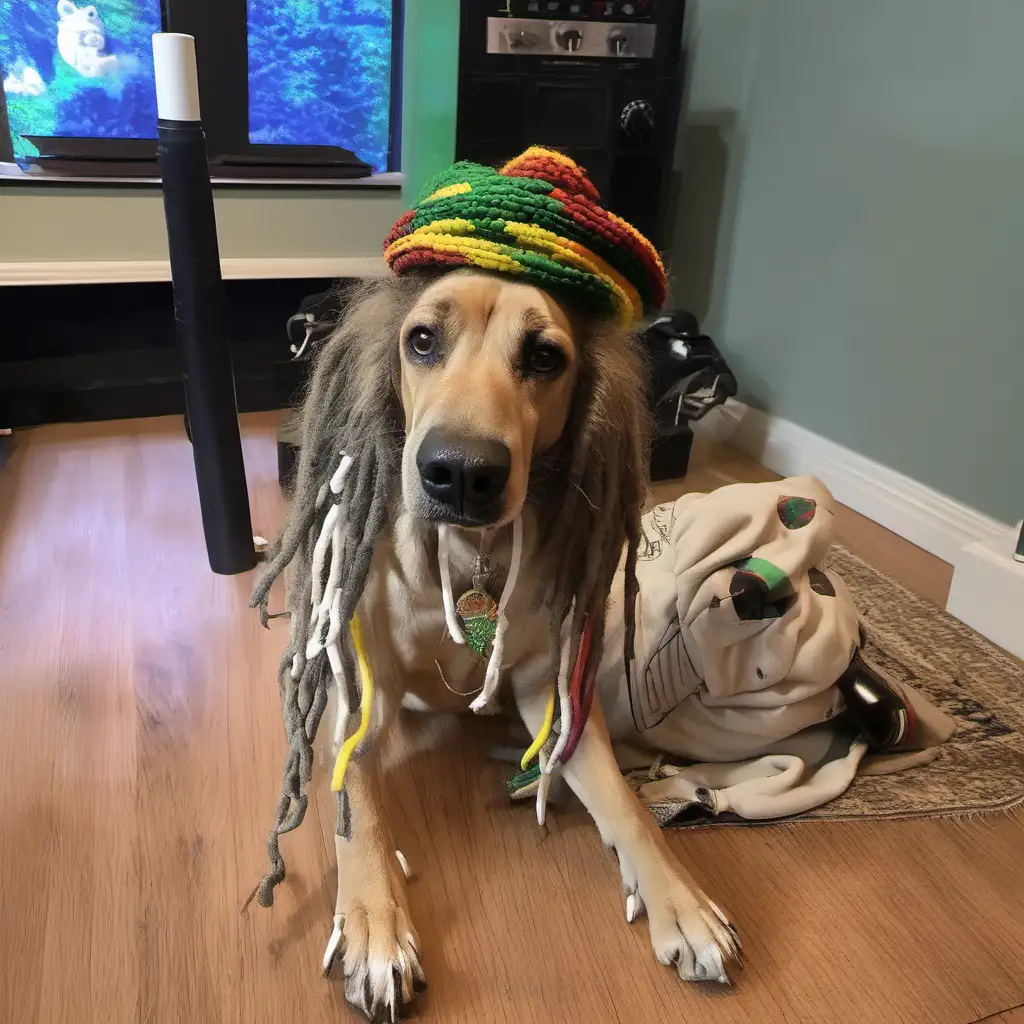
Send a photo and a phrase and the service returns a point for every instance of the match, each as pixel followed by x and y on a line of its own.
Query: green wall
pixel 38 224
pixel 871 287
pixel 430 98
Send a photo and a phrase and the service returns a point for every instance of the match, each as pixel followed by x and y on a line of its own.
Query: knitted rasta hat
pixel 538 217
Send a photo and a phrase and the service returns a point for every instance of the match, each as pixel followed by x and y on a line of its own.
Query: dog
pixel 469 401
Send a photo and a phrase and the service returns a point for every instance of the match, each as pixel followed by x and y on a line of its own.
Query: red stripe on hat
pixel 594 218
pixel 401 227
pixel 552 167
pixel 424 257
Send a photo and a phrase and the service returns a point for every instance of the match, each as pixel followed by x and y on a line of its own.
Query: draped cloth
pixel 733 705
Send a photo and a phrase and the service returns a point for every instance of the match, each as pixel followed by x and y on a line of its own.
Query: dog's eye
pixel 545 360
pixel 422 342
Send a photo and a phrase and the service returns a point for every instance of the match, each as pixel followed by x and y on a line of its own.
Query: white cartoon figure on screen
pixel 81 39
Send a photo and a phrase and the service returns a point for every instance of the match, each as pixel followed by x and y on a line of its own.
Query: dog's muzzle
pixel 463 478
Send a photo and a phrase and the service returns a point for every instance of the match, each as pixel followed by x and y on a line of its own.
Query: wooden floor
pixel 140 748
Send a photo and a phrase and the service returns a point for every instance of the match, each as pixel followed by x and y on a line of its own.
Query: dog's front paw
pixel 380 955
pixel 688 931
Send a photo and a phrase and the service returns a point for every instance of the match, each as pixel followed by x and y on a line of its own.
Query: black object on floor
pixel 210 402
pixel 881 714
pixel 109 351
pixel 307 330
pixel 688 379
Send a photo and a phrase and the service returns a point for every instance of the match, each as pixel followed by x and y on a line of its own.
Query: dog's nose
pixel 466 476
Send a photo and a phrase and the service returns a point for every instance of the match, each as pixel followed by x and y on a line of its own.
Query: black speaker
pixel 599 81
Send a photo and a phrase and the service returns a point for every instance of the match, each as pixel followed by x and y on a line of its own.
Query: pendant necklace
pixel 477 613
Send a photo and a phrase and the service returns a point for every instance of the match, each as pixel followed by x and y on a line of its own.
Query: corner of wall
pixel 723 44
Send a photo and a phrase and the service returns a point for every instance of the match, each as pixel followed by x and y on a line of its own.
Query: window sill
pixel 248 268
pixel 14 175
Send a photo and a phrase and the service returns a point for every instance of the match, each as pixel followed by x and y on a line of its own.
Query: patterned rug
pixel 982 767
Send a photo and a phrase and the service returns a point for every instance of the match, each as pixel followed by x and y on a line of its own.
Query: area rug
pixel 982 767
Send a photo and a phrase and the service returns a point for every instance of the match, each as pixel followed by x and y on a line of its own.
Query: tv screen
pixel 78 70
pixel 296 73
pixel 320 74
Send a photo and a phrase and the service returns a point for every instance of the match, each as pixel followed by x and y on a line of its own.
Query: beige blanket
pixel 742 637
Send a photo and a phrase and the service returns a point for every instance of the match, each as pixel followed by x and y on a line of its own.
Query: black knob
pixel 570 40
pixel 637 119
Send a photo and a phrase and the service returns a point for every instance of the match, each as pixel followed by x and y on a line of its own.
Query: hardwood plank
pixel 140 754
pixel 1014 1016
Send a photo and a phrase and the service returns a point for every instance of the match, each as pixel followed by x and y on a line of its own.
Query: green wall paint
pixel 430 97
pixel 871 287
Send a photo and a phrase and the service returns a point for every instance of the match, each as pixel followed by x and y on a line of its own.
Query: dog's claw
pixel 737 944
pixel 387 1012
pixel 634 906
pixel 404 865
pixel 401 980
pixel 333 945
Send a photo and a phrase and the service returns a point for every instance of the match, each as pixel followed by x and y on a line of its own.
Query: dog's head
pixel 487 371
pixel 464 396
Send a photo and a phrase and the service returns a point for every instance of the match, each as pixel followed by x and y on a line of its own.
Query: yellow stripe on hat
pixel 561 250
pixel 448 226
pixel 458 189
pixel 636 303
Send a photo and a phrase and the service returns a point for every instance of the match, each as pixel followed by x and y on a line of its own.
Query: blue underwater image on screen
pixel 82 70
pixel 320 74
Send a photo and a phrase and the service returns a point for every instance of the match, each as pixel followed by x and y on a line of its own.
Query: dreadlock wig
pixel 539 219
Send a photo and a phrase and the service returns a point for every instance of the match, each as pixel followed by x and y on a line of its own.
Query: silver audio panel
pixel 533 37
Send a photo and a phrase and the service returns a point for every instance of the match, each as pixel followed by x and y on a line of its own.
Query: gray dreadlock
pixel 587 494
pixel 589 491
pixel 351 403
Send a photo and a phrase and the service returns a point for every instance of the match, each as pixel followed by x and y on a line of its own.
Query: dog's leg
pixel 687 929
pixel 372 922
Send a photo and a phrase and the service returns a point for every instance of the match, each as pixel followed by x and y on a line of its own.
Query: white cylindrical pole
pixel 177 81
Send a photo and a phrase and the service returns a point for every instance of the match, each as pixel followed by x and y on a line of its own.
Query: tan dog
pixel 484 400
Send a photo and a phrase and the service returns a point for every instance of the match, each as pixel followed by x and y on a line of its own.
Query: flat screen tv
pixel 288 87
pixel 79 71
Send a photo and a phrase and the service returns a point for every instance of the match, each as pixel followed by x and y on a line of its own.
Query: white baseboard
pixel 236 268
pixel 924 516
pixel 988 591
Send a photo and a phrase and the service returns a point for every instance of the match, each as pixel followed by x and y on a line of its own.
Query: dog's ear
pixel 350 404
pixel 595 489
pixel 350 407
